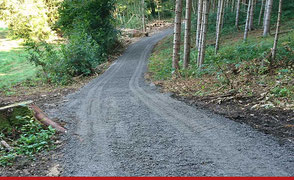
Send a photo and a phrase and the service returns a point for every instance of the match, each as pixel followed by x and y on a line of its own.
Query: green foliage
pixel 80 56
pixel 160 64
pixel 88 27
pixel 32 139
pixel 51 59
pixel 237 55
pixel 281 92
pixel 93 17
pixel 30 20
pixel 128 13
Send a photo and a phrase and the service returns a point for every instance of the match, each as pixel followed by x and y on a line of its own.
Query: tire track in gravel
pixel 125 127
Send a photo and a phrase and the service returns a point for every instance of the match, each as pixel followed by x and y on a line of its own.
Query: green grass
pixel 231 52
pixel 14 67
pixel 237 67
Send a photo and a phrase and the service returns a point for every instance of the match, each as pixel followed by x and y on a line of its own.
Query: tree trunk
pixel 201 55
pixel 213 5
pixel 158 7
pixel 193 7
pixel 247 20
pixel 219 25
pixel 177 35
pixel 237 14
pixel 260 14
pixel 233 5
pixel 267 21
pixel 251 20
pixel 187 38
pixel 274 51
pixel 199 20
pixel 222 18
pixel 264 14
pixel 218 12
pixel 143 16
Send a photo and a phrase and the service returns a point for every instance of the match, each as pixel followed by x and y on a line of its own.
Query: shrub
pixel 32 138
pixel 60 62
pixel 30 20
pixel 93 17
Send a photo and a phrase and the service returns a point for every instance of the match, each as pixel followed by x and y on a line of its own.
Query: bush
pixel 32 138
pixel 90 34
pixel 80 56
pixel 93 17
pixel 30 21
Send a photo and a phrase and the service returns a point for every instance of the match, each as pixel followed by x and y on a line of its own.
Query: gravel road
pixel 120 125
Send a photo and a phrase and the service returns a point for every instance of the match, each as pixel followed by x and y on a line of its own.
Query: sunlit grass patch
pixel 14 67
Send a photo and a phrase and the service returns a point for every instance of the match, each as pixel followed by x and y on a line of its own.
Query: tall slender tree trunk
pixel 201 55
pixel 264 14
pixel 274 51
pixel 219 25
pixel 251 20
pixel 227 3
pixel 158 7
pixel 222 18
pixel 260 13
pixel 267 18
pixel 218 12
pixel 213 5
pixel 247 20
pixel 177 35
pixel 233 5
pixel 237 14
pixel 187 38
pixel 193 7
pixel 199 20
pixel 143 16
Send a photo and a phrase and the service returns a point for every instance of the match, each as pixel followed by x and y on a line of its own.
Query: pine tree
pixel 177 34
pixel 261 9
pixel 219 25
pixel 201 54
pixel 247 20
pixel 237 14
pixel 199 23
pixel 187 38
pixel 267 18
pixel 251 19
pixel 143 16
pixel 274 51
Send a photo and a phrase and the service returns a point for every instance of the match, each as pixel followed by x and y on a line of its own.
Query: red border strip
pixel 146 178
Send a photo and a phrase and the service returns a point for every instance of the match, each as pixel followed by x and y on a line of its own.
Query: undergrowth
pixel 240 67
pixel 26 140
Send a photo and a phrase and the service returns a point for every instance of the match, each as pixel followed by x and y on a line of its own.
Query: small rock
pixel 53 171
pixel 57 142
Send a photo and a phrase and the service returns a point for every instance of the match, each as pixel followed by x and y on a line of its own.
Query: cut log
pixel 40 116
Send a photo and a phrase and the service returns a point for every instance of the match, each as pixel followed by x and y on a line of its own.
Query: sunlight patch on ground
pixel 2 24
pixel 14 66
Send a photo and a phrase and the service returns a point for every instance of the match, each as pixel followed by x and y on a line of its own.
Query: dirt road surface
pixel 120 125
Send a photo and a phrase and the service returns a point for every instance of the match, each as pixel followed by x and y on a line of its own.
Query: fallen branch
pixel 40 116
pixel 6 145
pixel 15 105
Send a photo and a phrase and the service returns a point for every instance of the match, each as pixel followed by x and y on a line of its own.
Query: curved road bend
pixel 119 125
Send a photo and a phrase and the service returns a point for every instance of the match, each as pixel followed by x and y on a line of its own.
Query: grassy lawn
pixel 14 67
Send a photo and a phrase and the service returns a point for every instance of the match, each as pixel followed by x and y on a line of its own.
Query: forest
pixel 233 58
